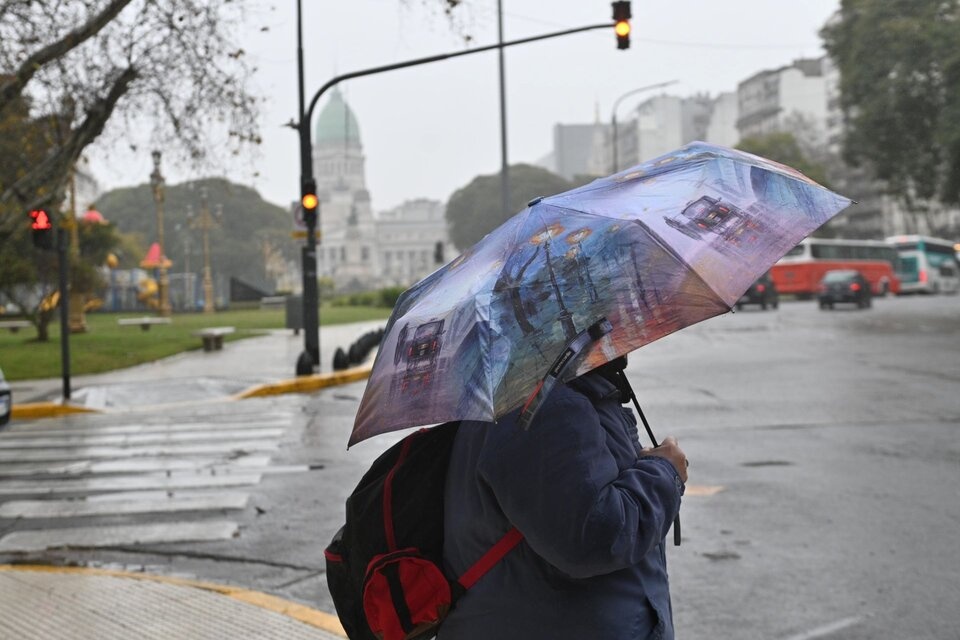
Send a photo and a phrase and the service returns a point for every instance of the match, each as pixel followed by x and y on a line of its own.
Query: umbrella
pixel 641 253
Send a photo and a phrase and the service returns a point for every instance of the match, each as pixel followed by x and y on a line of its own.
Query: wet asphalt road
pixel 825 477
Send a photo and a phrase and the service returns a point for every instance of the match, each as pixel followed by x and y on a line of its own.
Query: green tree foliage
pixel 783 147
pixel 474 210
pixel 899 62
pixel 250 232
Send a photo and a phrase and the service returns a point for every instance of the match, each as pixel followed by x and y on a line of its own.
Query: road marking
pixel 57 430
pixel 134 465
pixel 164 503
pixel 826 629
pixel 91 537
pixel 136 439
pixel 702 490
pixel 124 483
pixel 84 453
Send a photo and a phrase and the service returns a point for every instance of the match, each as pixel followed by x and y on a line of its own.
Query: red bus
pixel 799 272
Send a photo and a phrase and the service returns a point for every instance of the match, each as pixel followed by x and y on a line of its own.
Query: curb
pixel 34 410
pixel 299 612
pixel 305 384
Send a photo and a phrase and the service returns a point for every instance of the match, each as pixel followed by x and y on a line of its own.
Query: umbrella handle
pixel 653 440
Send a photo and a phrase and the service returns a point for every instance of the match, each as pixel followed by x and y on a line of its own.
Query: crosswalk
pixel 89 482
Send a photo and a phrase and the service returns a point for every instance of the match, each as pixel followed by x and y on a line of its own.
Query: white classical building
pixel 359 249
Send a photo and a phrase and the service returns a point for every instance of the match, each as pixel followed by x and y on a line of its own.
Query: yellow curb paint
pixel 306 384
pixel 33 410
pixel 319 619
pixel 702 490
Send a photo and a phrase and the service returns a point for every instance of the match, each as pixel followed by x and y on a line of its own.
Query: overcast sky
pixel 429 130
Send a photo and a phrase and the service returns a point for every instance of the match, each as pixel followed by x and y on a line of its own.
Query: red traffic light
pixel 41 220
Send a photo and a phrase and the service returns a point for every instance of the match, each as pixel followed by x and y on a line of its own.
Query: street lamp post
pixel 206 221
pixel 163 286
pixel 613 117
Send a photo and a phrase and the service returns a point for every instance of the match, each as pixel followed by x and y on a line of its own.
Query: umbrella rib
pixel 670 250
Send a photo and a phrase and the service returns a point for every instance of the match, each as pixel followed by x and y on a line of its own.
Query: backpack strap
pixel 509 540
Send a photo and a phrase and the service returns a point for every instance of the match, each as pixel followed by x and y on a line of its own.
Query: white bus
pixel 927 265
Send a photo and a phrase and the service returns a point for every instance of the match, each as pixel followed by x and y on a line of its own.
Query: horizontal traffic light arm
pixel 304 122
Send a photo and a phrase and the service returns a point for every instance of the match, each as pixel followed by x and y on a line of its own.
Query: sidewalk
pixel 193 376
pixel 50 603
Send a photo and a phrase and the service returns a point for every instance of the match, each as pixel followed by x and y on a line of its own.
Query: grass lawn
pixel 106 345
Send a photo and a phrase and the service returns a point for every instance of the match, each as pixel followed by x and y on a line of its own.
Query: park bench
pixel 14 325
pixel 213 337
pixel 273 302
pixel 144 323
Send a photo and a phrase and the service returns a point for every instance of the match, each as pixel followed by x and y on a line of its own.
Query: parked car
pixel 844 285
pixel 6 400
pixel 762 292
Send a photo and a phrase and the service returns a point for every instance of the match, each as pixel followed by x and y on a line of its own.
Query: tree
pixel 84 63
pixel 251 229
pixel 899 69
pixel 474 210
pixel 783 147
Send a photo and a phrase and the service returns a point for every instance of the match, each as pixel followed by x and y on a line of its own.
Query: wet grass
pixel 107 346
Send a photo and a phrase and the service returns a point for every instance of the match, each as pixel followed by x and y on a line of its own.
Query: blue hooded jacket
pixel 594 515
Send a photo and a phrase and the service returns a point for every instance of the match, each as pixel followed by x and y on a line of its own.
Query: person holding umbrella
pixel 539 316
pixel 594 509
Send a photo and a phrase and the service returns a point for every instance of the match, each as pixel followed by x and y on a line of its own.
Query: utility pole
pixel 504 165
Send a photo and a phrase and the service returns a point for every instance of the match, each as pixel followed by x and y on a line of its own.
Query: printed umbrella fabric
pixel 653 249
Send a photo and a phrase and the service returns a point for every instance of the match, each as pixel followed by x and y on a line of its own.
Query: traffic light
pixel 309 201
pixel 621 23
pixel 42 229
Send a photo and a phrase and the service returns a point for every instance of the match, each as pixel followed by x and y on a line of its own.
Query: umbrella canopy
pixel 653 249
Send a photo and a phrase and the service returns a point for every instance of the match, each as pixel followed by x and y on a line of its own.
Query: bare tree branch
pixel 54 171
pixel 12 86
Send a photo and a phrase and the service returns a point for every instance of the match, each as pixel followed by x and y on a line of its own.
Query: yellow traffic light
pixel 621 23
pixel 309 201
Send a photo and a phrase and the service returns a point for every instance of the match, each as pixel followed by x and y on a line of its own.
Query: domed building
pixel 346 251
pixel 358 249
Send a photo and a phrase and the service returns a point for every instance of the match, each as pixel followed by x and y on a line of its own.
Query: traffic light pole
pixel 64 284
pixel 311 329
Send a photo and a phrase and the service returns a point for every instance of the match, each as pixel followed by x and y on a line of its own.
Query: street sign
pixel 299 226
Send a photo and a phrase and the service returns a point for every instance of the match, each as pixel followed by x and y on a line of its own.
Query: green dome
pixel 336 123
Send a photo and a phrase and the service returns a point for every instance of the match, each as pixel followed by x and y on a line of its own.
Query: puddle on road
pixel 767 463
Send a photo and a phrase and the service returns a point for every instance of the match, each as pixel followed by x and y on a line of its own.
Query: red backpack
pixel 385 565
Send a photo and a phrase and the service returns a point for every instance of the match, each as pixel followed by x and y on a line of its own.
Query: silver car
pixel 6 400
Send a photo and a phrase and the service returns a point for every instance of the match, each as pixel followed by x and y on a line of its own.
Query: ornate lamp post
pixel 163 287
pixel 206 221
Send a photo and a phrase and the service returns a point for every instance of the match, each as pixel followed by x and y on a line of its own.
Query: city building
pixel 769 99
pixel 359 249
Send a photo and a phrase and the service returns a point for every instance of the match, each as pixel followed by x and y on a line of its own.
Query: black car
pixel 762 292
pixel 844 285
pixel 6 400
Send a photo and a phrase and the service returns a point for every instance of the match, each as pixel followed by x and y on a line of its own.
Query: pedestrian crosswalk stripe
pixel 122 440
pixel 112 536
pixel 59 431
pixel 85 453
pixel 159 504
pixel 132 465
pixel 125 483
